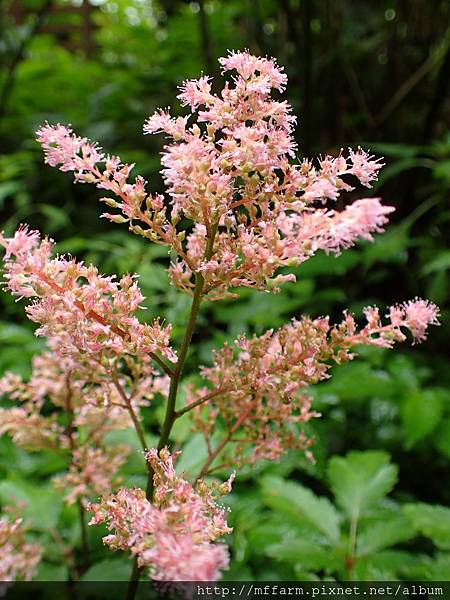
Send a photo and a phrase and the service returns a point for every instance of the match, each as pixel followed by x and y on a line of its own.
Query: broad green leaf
pixel 193 456
pixel 360 479
pixel 48 572
pixel 319 511
pixel 421 412
pixel 432 521
pixel 439 569
pixel 441 438
pixel 384 565
pixel 41 503
pixel 357 381
pixel 378 536
pixel 307 554
pixel 111 569
pixel 440 262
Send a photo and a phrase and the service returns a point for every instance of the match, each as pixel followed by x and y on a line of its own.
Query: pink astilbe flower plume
pixel 239 206
pixel 63 148
pixel 229 167
pixel 174 534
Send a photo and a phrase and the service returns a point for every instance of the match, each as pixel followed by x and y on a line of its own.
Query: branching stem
pixel 133 415
pixel 228 438
pixel 175 378
pixel 199 402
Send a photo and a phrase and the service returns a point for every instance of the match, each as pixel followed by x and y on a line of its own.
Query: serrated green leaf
pixel 378 536
pixel 441 438
pixel 421 412
pixel 439 569
pixel 306 554
pixel 264 534
pixel 318 511
pixel 432 521
pixel 361 479
pixel 440 262
pixel 385 565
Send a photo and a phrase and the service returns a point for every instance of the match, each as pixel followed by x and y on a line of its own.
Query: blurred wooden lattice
pixel 71 23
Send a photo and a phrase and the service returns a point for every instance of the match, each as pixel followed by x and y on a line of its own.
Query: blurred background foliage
pixel 370 73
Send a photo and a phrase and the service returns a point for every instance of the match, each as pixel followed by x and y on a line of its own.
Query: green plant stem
pixel 134 417
pixel 352 545
pixel 167 368
pixel 134 580
pixel 84 537
pixel 72 444
pixel 175 378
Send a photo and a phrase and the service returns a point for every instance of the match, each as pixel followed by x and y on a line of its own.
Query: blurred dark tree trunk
pixel 256 27
pixel 20 53
pixel 440 97
pixel 306 7
pixel 206 41
pixel 293 20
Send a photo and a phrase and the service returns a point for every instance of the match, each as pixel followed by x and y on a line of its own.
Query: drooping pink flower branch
pixel 262 380
pixel 90 165
pixel 174 535
pixel 81 312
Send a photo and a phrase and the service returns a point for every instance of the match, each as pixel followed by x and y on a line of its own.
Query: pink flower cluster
pixel 18 557
pixel 230 172
pixel 90 165
pixel 86 316
pixel 174 534
pixel 259 384
pixel 92 404
pixel 93 472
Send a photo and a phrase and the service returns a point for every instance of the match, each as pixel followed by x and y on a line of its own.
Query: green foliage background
pixel 369 73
